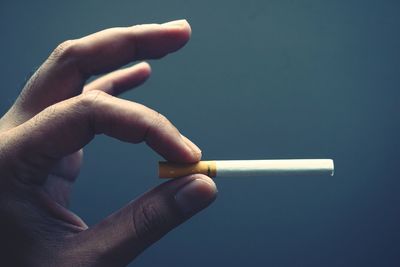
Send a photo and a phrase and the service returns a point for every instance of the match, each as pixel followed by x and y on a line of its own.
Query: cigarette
pixel 241 168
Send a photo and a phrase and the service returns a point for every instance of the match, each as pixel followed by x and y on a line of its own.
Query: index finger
pixel 69 125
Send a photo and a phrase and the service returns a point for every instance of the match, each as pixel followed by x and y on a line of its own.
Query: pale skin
pixel 41 141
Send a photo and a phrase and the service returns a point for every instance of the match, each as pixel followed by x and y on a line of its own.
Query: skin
pixel 41 141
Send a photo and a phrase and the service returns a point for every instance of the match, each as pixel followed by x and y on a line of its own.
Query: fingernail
pixel 196 195
pixel 191 145
pixel 175 23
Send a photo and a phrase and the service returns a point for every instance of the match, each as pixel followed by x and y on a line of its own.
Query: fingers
pixel 69 125
pixel 121 80
pixel 64 73
pixel 124 235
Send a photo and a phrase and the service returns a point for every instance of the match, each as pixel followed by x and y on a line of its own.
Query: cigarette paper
pixel 241 168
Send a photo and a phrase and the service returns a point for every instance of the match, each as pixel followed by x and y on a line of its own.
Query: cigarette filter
pixel 240 168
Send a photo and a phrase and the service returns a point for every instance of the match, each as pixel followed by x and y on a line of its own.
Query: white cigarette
pixel 241 168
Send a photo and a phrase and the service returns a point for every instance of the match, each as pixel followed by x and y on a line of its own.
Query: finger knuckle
pixel 91 98
pixel 89 105
pixel 160 121
pixel 148 222
pixel 157 124
pixel 69 49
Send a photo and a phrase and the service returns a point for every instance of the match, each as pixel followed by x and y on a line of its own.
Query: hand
pixel 41 138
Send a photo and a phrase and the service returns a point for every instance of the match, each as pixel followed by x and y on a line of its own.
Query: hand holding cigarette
pixel 41 138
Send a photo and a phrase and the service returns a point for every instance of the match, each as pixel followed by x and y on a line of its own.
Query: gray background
pixel 259 79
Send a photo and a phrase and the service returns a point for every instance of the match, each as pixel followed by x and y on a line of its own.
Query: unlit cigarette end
pixel 240 168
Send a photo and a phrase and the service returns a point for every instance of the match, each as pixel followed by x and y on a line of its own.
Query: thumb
pixel 121 237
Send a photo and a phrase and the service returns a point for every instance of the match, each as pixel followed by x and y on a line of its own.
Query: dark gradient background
pixel 259 79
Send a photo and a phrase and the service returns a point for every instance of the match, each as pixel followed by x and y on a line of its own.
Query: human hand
pixel 41 138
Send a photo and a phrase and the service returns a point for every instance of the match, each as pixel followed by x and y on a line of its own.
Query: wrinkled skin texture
pixel 41 141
